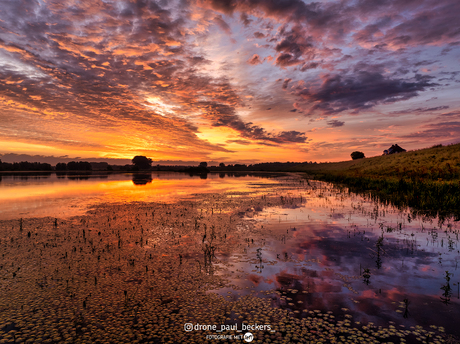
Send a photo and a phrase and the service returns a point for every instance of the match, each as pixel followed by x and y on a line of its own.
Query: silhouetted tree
pixel 203 164
pixel 142 162
pixel 62 166
pixel 79 166
pixel 357 155
pixel 221 165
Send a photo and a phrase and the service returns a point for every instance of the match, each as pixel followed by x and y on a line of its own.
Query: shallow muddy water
pixel 305 261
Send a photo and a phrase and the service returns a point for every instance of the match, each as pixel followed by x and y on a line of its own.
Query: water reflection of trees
pixel 81 175
pixel 142 178
pixel 77 177
pixel 26 175
pixel 266 175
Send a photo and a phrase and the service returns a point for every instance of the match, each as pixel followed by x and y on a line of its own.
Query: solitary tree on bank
pixel 142 162
pixel 357 155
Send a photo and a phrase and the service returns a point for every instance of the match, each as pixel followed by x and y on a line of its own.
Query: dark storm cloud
pixel 335 123
pixel 362 90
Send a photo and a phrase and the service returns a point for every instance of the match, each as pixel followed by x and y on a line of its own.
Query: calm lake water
pixel 68 195
pixel 314 248
pixel 342 252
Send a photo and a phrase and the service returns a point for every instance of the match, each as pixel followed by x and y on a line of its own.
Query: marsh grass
pixel 427 180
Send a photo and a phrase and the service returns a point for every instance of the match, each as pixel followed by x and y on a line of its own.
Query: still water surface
pixel 68 195
pixel 330 250
pixel 346 253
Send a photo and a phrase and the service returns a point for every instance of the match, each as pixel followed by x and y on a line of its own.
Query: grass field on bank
pixel 426 179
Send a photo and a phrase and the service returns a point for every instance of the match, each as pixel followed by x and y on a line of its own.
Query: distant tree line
pixel 25 166
pixel 263 167
pixel 74 166
pixel 142 163
pixel 200 169
pixel 38 166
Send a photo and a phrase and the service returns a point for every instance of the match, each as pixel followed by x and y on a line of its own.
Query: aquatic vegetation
pixel 367 276
pixel 446 295
pixel 138 272
pixel 426 180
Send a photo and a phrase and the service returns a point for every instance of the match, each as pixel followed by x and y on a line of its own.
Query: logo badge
pixel 248 337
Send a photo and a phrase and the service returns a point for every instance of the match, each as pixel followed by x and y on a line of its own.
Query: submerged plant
pixel 445 298
pixel 259 258
pixel 406 309
pixel 367 276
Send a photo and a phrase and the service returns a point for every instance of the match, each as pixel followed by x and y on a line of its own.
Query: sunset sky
pixel 227 81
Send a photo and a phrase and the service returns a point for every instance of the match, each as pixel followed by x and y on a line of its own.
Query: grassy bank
pixel 427 180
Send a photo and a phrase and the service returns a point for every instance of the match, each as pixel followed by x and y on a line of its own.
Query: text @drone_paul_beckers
pixel 219 328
